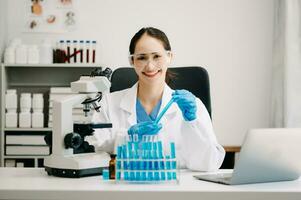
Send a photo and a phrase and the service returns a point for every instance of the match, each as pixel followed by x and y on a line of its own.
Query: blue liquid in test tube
pixel 163 177
pixel 150 176
pixel 118 175
pixel 173 150
pixel 130 150
pixel 168 167
pixel 105 174
pixel 143 176
pixel 132 176
pixel 160 149
pixel 169 176
pixel 126 176
pixel 138 176
pixel 174 175
pixel 157 178
pixel 155 150
pixel 119 154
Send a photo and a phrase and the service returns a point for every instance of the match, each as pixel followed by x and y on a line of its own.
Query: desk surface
pixel 34 183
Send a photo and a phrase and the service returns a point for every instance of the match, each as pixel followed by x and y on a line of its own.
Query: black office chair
pixel 194 79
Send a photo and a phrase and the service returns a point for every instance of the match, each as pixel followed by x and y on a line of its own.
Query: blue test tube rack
pixel 145 162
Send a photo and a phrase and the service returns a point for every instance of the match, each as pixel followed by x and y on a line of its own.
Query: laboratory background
pixel 232 40
pixel 250 49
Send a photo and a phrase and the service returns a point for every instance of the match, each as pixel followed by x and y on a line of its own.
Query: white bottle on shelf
pixel 25 107
pixel 33 54
pixel 46 53
pixel 11 117
pixel 15 42
pixel 9 55
pixel 37 114
pixel 21 54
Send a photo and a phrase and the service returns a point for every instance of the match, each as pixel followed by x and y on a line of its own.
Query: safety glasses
pixel 142 59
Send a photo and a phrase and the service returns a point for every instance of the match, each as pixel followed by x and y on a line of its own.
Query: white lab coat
pixel 196 144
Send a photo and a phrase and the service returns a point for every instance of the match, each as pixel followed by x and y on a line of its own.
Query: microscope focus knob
pixel 73 140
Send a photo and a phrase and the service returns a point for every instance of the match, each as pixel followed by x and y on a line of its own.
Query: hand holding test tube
pixel 149 127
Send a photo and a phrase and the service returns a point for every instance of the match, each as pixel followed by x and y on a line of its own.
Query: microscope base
pixel 72 173
pixel 76 166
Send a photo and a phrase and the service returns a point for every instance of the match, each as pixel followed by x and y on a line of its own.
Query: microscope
pixel 71 155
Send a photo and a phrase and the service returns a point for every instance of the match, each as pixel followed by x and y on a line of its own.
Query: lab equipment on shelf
pixel 25 110
pixel 146 161
pixel 75 51
pixel 33 54
pixel 31 110
pixel 11 116
pixel 37 108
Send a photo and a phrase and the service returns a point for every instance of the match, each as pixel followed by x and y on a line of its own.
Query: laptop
pixel 267 155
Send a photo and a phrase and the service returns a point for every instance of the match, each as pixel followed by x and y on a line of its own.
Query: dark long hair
pixel 161 36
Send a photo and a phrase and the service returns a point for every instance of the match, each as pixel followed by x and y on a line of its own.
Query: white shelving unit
pixel 34 78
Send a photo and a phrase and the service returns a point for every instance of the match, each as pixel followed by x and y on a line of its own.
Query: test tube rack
pixel 144 161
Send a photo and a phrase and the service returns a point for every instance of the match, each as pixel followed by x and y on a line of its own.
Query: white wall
pixel 3 25
pixel 232 39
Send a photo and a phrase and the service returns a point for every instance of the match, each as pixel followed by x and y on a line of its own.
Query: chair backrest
pixel 194 79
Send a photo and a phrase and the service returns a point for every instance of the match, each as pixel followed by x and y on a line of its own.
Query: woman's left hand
pixel 186 102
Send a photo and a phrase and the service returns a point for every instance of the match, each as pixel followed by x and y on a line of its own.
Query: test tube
pixel 143 175
pixel 62 52
pixel 93 51
pixel 157 177
pixel 168 165
pixel 160 149
pixel 126 175
pixel 68 51
pixel 105 174
pixel 150 175
pixel 81 47
pixel 173 155
pixel 75 48
pixel 173 150
pixel 124 156
pixel 138 177
pixel 132 175
pixel 119 154
pixel 87 51
pixel 162 176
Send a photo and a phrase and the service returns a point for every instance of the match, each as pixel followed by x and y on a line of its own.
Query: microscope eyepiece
pixel 98 72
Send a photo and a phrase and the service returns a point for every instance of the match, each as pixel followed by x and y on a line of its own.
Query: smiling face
pixel 150 60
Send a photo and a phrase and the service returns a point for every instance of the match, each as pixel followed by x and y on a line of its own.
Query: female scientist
pixel 186 122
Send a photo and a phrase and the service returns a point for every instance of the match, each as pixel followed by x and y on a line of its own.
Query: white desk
pixel 34 183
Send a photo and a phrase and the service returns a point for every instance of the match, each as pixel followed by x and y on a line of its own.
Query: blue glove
pixel 145 128
pixel 187 104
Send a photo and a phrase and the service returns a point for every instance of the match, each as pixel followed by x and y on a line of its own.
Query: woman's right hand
pixel 145 128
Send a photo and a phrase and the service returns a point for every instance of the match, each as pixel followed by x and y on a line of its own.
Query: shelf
pixel 37 85
pixel 27 129
pixel 61 65
pixel 21 157
pixel 35 78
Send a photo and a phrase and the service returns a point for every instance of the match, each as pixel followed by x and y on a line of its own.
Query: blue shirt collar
pixel 142 115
